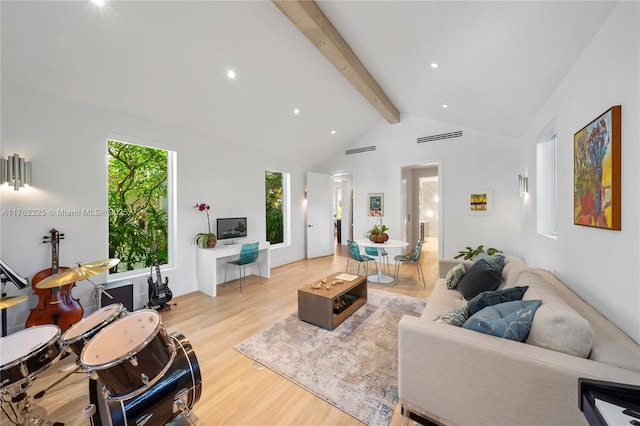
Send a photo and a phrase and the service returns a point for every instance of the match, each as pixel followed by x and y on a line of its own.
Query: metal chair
pixel 372 251
pixel 248 255
pixel 354 253
pixel 415 258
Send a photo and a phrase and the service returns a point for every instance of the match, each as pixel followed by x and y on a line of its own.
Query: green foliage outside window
pixel 274 195
pixel 137 205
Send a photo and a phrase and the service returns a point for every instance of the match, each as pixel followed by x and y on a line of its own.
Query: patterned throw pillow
pixel 495 261
pixel 454 275
pixel 490 298
pixel 454 316
pixel 510 320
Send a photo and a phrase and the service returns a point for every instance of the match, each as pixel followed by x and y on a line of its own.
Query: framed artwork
pixel 596 172
pixel 376 204
pixel 479 202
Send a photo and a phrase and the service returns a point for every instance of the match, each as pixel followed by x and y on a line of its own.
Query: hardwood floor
pixel 234 390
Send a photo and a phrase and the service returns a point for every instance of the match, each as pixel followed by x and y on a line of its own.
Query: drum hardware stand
pixel 8 274
pixel 21 409
pixel 57 382
pixel 99 290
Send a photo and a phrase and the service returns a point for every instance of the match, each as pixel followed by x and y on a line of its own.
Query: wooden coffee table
pixel 329 308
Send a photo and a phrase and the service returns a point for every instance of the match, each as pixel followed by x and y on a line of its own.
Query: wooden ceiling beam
pixel 312 22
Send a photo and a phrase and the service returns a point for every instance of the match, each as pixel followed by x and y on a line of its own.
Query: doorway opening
pixel 342 208
pixel 422 212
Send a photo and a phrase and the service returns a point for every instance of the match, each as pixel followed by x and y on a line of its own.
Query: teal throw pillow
pixel 495 261
pixel 490 298
pixel 510 320
pixel 454 275
pixel 454 316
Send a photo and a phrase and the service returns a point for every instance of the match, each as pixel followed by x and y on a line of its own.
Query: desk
pixel 381 278
pixel 211 263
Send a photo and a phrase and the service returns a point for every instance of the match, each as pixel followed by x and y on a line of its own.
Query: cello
pixel 56 305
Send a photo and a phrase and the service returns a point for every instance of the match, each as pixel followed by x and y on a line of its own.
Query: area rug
pixel 354 367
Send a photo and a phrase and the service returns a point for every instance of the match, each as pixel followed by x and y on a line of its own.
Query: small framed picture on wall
pixel 479 202
pixel 376 204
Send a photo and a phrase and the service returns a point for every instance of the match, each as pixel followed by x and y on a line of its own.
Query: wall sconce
pixel 523 185
pixel 15 171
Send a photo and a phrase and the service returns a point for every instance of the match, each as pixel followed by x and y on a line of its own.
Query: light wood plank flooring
pixel 234 390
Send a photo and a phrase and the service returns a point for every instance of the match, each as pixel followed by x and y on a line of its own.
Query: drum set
pixel 137 372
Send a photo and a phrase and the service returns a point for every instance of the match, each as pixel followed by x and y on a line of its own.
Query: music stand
pixel 8 274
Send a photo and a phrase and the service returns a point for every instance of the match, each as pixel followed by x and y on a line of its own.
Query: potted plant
pixel 471 253
pixel 378 234
pixel 205 239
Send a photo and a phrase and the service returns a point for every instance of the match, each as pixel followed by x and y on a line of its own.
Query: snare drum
pixel 77 336
pixel 180 386
pixel 130 355
pixel 26 353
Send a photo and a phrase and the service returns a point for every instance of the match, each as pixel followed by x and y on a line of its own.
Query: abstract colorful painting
pixel 596 172
pixel 376 204
pixel 479 202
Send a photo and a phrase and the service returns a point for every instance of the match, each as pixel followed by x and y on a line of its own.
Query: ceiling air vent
pixel 359 150
pixel 440 137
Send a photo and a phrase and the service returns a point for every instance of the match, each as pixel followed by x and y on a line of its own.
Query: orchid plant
pixel 205 239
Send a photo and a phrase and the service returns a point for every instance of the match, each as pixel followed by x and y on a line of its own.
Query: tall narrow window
pixel 547 211
pixel 139 205
pixel 276 206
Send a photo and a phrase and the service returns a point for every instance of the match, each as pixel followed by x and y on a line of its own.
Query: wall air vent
pixel 359 150
pixel 440 137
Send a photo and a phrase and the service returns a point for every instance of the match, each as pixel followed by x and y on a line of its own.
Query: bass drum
pixel 175 392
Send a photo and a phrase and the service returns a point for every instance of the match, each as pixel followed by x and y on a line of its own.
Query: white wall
pixel 66 142
pixel 476 160
pixel 599 265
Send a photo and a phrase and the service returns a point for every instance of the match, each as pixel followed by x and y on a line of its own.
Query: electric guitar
pixel 159 292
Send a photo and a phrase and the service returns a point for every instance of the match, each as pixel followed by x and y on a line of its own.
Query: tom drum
pixel 79 334
pixel 130 355
pixel 26 353
pixel 173 394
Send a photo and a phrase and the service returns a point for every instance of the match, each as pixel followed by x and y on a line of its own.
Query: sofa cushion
pixel 556 325
pixel 513 267
pixel 509 320
pixel 490 298
pixel 480 277
pixel 495 261
pixel 454 275
pixel 454 316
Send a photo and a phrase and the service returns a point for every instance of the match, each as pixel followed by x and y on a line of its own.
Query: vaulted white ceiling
pixel 167 61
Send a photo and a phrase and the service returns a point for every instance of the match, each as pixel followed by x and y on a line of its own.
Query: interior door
pixel 319 217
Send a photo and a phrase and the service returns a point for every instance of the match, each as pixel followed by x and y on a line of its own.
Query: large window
pixel 276 206
pixel 546 195
pixel 139 205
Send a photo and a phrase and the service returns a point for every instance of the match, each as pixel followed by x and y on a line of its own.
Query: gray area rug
pixel 354 367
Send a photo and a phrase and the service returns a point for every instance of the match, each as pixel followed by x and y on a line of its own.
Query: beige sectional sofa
pixel 453 375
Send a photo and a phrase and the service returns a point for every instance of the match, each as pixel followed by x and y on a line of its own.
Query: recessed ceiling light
pixel 231 74
pixel 98 2
pixel 445 106
pixel 333 132
pixel 296 111
pixel 435 65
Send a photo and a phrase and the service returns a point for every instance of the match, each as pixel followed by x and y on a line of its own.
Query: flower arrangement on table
pixel 378 233
pixel 205 239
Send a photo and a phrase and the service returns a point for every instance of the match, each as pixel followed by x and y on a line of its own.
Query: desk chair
pixel 372 251
pixel 414 258
pixel 354 253
pixel 248 255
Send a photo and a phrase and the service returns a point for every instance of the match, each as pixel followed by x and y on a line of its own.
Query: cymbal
pixel 7 302
pixel 79 273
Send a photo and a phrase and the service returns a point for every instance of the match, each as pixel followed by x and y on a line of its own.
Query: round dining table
pixel 380 277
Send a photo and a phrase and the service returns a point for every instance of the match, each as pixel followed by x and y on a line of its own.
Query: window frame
pixel 171 203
